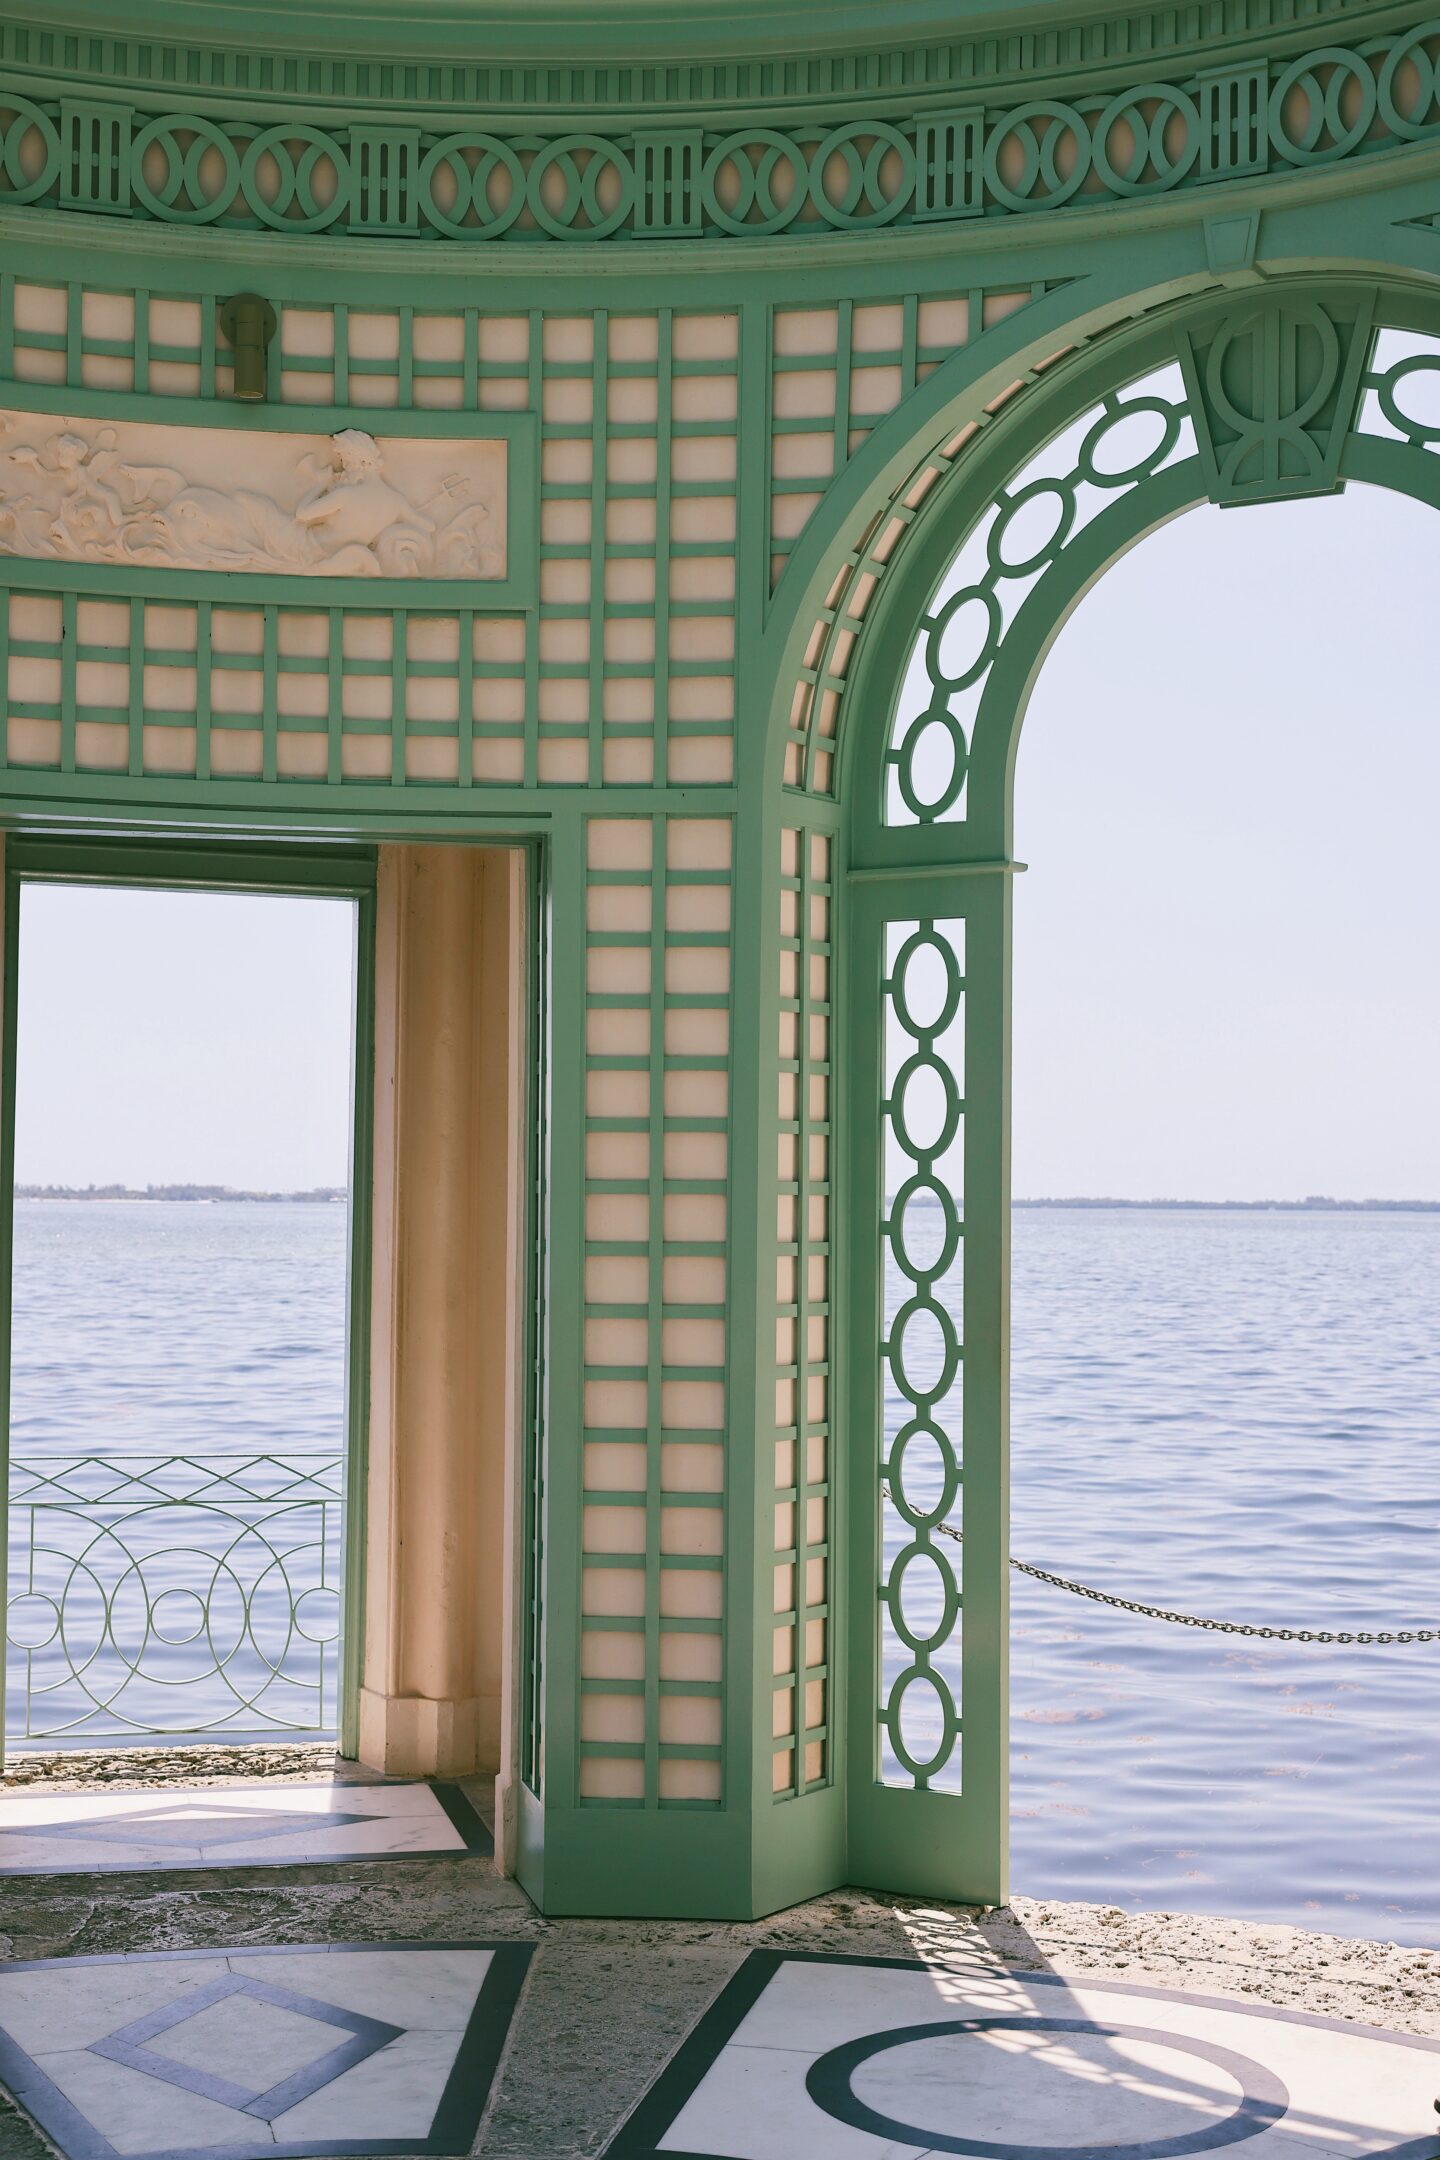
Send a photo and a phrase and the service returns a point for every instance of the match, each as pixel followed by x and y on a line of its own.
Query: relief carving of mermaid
pixel 84 502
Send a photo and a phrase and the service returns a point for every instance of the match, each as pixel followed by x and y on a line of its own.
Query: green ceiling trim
pixel 957 163
pixel 125 46
pixel 610 34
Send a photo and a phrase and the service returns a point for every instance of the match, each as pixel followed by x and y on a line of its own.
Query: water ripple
pixel 1235 1414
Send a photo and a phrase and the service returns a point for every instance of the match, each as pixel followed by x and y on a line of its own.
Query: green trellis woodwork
pixel 1269 399
pixel 1256 405
pixel 922 1138
pixel 804 1622
pixel 756 464
pixel 927 1759
pixel 657 1102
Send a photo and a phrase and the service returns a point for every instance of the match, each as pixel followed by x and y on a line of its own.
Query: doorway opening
pixel 1227 1241
pixel 187 1135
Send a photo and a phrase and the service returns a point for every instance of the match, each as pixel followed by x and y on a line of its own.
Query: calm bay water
pixel 176 1325
pixel 1238 1415
pixel 163 1353
pixel 1235 1414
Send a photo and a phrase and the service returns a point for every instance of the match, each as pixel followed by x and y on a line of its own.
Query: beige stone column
pixel 446 1303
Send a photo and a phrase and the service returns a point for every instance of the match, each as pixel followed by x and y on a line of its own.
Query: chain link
pixel 1218 1627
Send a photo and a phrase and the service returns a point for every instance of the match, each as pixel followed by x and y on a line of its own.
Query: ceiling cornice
pixel 533 32
pixel 160 54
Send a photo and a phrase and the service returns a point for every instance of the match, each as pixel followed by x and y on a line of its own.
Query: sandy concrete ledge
pixel 136 1769
pixel 608 2001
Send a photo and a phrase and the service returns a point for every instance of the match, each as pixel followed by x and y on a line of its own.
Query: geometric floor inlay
pixel 255 2054
pixel 815 2057
pixel 263 1824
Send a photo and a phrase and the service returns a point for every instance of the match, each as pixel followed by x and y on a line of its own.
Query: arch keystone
pixel 1273 391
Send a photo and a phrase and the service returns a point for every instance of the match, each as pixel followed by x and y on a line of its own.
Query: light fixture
pixel 249 324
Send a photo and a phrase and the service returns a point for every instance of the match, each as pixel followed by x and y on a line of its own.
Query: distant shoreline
pixel 1317 1204
pixel 192 1193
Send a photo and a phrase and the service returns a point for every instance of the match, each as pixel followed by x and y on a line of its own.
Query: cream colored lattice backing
pixel 637 580
pixel 204 691
pixel 817 704
pixel 625 676
pixel 837 371
pixel 657 1109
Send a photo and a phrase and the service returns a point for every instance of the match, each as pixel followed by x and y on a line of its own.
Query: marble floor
pixel 830 2058
pixel 263 1824
pixel 254 2054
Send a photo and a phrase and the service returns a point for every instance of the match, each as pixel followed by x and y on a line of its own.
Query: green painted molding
pixel 602 37
pixel 794 268
pixel 953 165
pixel 956 163
pixel 459 54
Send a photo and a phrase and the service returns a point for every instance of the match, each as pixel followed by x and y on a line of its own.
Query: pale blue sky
pixel 1226 945
pixel 169 1038
pixel 1227 949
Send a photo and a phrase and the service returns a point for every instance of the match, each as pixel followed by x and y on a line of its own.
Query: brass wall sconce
pixel 249 323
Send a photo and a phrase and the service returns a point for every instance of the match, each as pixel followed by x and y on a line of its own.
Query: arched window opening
pixel 1293 405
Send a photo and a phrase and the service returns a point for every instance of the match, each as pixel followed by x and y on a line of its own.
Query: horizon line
pixel 191 1189
pixel 1314 1203
pixel 176 1189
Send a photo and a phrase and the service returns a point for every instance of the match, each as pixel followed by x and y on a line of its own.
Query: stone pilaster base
pixel 422 1736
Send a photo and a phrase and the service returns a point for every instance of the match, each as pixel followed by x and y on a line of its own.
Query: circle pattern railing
pixel 173 1594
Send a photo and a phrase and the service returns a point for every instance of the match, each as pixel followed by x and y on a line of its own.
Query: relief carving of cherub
pixel 88 490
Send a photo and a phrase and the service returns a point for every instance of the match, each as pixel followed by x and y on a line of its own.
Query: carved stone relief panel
pixel 188 498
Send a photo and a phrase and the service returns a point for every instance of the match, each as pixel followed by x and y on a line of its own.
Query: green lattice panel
pixel 804 1616
pixel 922 1259
pixel 657 1098
pixel 624 676
pixel 208 691
pixel 837 371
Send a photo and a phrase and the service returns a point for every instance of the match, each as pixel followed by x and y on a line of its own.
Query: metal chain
pixel 1219 1627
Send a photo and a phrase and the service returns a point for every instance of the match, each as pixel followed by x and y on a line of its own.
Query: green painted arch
pixel 1117 306
pixel 999 726
pixel 954 395
pixel 951 881
pixel 1103 363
